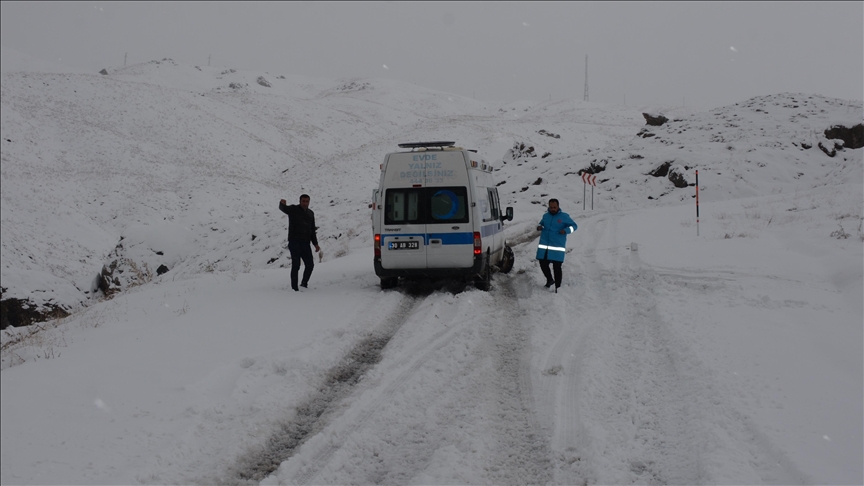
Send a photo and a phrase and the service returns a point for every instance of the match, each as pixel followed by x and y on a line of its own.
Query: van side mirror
pixel 508 215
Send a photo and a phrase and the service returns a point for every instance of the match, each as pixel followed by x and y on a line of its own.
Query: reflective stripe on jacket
pixel 553 244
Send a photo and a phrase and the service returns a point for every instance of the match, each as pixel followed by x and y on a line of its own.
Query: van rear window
pixel 447 205
pixel 404 206
pixel 426 205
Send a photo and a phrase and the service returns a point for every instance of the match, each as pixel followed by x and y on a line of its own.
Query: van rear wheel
pixel 389 282
pixel 484 280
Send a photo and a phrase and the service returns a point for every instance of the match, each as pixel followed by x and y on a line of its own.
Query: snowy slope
pixel 732 357
pixel 163 164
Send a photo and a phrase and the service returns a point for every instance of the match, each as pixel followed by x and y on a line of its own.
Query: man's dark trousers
pixel 300 250
pixel 556 266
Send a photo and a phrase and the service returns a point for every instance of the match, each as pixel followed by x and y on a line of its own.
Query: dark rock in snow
pixel 853 138
pixel 520 151
pixel 677 178
pixel 644 133
pixel 655 120
pixel 661 171
pixel 109 283
pixel 829 152
pixel 162 269
pixel 22 312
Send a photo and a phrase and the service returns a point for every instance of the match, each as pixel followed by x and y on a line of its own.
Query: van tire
pixel 507 260
pixel 484 280
pixel 389 282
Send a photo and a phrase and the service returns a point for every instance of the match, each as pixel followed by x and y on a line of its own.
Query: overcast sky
pixel 703 54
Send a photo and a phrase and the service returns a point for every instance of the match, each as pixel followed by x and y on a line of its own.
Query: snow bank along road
pixel 600 383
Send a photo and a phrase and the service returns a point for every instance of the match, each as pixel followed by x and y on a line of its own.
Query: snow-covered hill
pixel 102 170
pixel 633 376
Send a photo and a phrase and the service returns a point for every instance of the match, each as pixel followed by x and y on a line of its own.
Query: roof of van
pixel 426 144
pixel 424 149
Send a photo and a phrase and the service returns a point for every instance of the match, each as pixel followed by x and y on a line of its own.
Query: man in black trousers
pixel 301 232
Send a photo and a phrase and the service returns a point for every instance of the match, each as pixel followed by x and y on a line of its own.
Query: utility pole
pixel 586 78
pixel 208 59
pixel 124 59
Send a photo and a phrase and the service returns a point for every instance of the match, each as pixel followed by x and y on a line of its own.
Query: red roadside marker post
pixel 588 179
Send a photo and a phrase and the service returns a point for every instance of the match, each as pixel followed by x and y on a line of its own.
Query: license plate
pixel 404 245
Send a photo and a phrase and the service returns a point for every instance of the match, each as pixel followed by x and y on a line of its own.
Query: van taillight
pixel 377 246
pixel 478 245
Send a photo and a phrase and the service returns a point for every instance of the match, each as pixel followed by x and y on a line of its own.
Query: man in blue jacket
pixel 554 226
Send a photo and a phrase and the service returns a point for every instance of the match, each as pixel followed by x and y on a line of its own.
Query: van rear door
pixel 403 232
pixel 403 240
pixel 448 223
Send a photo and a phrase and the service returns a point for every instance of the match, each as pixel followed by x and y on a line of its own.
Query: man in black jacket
pixel 301 232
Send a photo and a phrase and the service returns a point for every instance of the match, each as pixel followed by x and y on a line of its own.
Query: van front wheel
pixel 507 260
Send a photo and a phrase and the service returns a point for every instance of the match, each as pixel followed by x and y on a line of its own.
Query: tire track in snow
pixel 405 367
pixel 464 392
pixel 318 410
pixel 580 315
pixel 523 457
pixel 714 427
pixel 664 430
pixel 648 411
pixel 638 423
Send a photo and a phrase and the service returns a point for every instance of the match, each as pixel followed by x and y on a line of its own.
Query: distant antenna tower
pixel 586 78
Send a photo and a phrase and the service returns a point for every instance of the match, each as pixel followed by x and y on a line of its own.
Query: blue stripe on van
pixel 453 238
pixel 446 238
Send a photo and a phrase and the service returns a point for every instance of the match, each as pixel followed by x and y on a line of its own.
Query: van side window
pixel 403 206
pixel 448 205
pixel 493 202
pixel 485 206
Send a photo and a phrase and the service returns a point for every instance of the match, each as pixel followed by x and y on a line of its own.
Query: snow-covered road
pixel 596 384
pixel 730 357
pixel 453 391
pixel 646 409
pixel 633 373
